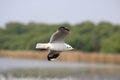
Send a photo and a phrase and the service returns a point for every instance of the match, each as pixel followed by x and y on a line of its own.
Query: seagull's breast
pixel 58 46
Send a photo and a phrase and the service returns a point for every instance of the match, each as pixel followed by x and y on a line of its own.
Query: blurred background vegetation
pixel 85 36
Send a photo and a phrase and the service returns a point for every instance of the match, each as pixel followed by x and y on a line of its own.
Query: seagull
pixel 56 44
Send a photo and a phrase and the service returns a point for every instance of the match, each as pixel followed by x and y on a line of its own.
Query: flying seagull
pixel 56 44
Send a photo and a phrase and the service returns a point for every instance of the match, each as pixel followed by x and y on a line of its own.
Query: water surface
pixel 29 69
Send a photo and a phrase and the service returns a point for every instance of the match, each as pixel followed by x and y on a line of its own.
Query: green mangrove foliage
pixel 85 36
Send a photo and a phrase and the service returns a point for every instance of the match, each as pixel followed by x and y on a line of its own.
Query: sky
pixel 59 11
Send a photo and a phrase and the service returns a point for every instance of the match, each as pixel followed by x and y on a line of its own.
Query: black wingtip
pixel 53 57
pixel 62 27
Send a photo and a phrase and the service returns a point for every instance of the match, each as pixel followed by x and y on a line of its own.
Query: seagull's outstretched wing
pixel 59 35
pixel 53 54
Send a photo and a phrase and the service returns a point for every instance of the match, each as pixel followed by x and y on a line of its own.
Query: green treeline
pixel 85 36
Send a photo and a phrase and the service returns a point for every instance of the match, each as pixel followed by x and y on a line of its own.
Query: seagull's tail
pixel 42 46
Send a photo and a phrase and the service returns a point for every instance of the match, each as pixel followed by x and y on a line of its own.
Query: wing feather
pixel 53 54
pixel 59 35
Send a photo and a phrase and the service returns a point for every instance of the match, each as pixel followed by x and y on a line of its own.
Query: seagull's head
pixel 69 47
pixel 63 29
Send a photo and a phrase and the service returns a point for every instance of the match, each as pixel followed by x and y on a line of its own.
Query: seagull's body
pixel 56 44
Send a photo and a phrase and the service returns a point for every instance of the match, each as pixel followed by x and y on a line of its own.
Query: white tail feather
pixel 42 46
